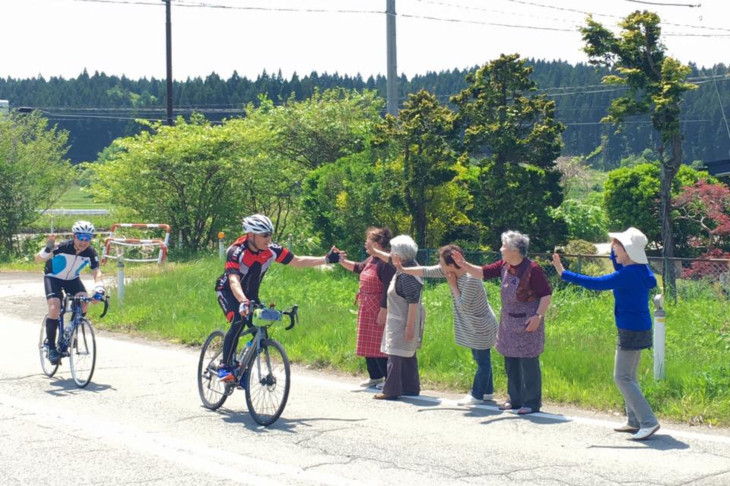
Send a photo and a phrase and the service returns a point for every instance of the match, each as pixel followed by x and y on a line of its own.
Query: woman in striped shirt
pixel 475 325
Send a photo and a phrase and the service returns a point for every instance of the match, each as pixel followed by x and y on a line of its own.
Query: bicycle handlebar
pixel 293 314
pixel 104 299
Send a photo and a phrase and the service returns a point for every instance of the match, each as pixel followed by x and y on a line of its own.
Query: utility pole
pixel 168 35
pixel 392 80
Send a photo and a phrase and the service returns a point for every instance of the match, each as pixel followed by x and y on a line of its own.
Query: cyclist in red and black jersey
pixel 249 257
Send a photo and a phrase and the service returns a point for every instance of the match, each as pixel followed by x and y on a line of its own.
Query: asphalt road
pixel 141 421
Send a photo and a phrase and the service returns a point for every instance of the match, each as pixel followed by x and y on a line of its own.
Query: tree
pixel 656 84
pixel 34 172
pixel 341 200
pixel 325 127
pixel 631 198
pixel 585 220
pixel 707 206
pixel 421 138
pixel 182 175
pixel 513 138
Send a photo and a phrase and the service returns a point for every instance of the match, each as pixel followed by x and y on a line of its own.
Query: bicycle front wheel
pixel 268 381
pixel 212 392
pixel 82 353
pixel 48 368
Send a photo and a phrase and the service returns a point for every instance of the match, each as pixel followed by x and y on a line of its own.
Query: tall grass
pixel 179 304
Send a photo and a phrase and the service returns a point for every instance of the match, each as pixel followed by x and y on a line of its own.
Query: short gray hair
pixel 516 241
pixel 404 248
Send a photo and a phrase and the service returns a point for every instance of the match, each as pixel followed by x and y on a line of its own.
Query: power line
pixel 180 3
pixel 585 12
pixel 481 9
pixel 576 26
pixel 666 4
pixel 495 24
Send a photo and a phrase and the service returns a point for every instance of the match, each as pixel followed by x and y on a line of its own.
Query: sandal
pixel 526 411
pixel 506 406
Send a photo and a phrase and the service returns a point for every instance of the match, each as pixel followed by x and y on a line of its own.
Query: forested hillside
pixel 97 109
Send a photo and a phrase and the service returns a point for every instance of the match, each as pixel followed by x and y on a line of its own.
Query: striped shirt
pixel 475 325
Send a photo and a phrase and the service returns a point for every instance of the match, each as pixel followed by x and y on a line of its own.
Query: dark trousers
pixel 377 367
pixel 230 341
pixel 483 379
pixel 524 382
pixel 402 377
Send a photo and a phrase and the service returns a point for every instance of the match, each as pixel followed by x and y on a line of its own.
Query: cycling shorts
pixel 55 285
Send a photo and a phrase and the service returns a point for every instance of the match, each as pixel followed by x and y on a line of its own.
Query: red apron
pixel 369 333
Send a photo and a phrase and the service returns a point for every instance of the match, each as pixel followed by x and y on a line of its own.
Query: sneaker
pixel 54 356
pixel 380 385
pixel 627 428
pixel 226 376
pixel 469 400
pixel 371 382
pixel 488 396
pixel 645 433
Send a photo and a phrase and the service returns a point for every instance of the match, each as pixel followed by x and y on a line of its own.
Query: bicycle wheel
pixel 212 392
pixel 48 368
pixel 268 381
pixel 82 353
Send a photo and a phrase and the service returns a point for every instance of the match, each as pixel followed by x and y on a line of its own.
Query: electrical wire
pixel 695 5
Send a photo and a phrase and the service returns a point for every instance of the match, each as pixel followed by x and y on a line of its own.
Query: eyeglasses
pixel 264 235
pixel 84 236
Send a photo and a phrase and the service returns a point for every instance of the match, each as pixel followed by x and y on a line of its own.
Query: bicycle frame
pixel 75 303
pixel 261 332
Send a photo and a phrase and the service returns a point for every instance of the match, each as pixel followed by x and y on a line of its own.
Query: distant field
pixel 75 198
pixel 78 198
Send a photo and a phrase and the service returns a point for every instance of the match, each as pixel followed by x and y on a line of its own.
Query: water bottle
pixel 67 334
pixel 63 339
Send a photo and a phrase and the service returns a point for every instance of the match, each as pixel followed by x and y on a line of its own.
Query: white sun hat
pixel 634 242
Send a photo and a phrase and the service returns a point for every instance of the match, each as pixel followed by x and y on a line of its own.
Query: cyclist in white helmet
pixel 64 262
pixel 248 259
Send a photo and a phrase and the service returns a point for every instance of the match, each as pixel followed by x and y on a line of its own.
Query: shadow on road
pixel 65 386
pixel 283 424
pixel 659 442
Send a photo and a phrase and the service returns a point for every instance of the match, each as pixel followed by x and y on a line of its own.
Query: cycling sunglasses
pixel 264 235
pixel 84 236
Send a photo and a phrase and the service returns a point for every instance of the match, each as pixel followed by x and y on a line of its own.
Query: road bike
pixel 262 370
pixel 75 340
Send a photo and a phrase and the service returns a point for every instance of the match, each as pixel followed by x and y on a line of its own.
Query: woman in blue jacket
pixel 630 283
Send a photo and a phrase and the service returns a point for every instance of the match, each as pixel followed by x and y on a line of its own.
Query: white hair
pixel 516 241
pixel 404 248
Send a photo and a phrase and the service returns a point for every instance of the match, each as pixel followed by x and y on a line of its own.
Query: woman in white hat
pixel 630 283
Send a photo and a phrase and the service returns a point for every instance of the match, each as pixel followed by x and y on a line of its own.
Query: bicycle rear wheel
pixel 212 392
pixel 268 381
pixel 48 368
pixel 82 353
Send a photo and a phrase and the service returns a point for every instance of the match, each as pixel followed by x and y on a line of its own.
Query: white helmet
pixel 257 224
pixel 83 227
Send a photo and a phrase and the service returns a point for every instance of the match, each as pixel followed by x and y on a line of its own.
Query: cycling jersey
pixel 251 266
pixel 66 264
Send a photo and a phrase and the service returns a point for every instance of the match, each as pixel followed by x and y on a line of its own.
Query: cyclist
pixel 248 259
pixel 64 262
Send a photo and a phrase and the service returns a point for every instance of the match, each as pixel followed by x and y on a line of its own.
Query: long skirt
pixel 402 377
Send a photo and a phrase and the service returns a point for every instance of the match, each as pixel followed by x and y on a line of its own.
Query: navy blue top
pixel 630 285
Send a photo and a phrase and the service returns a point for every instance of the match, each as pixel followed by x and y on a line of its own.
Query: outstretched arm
pixel 307 261
pixel 383 255
pixel 473 270
pixel 332 256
